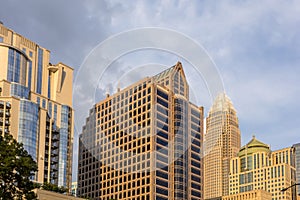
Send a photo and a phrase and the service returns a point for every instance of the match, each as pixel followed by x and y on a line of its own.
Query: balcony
pixel 52 68
pixel 54 153
pixel 8 105
pixel 54 160
pixel 55 137
pixel 54 145
pixel 7 114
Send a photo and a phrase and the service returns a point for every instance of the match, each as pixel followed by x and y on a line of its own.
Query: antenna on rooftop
pixel 118 86
pixel 107 92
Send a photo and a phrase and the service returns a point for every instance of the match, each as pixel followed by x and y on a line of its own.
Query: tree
pixel 54 188
pixel 16 169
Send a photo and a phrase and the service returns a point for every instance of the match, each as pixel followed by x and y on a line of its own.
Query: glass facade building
pixel 36 105
pixel 28 126
pixel 297 165
pixel 144 142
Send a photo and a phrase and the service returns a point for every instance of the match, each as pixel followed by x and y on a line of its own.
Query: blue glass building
pixel 36 105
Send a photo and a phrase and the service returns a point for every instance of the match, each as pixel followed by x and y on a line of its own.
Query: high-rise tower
pixel 221 143
pixel 144 143
pixel 36 105
pixel 297 165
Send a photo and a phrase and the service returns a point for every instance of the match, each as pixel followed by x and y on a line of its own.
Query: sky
pixel 254 45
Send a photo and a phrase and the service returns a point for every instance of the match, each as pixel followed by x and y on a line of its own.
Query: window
pixel 40 71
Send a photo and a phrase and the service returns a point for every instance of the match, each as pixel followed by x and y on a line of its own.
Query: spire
pixel 222 103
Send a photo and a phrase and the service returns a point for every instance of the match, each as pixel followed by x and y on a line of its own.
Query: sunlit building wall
pixel 144 142
pixel 222 142
pixel 258 168
pixel 36 105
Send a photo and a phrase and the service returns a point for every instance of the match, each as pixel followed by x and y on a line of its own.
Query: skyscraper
pixel 36 105
pixel 258 168
pixel 297 165
pixel 144 142
pixel 221 143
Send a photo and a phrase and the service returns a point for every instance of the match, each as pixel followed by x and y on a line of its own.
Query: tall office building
pixel 221 143
pixel 257 168
pixel 143 143
pixel 297 165
pixel 36 105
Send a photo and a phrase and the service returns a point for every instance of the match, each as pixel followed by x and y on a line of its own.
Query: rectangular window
pixel 44 103
pixel 1 39
pixel 49 86
pixel 40 71
pixel 38 101
pixel 29 74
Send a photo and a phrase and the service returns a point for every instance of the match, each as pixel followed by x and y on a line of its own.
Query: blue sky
pixel 254 44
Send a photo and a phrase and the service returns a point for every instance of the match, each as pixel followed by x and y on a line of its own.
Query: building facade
pixel 257 168
pixel 222 142
pixel 36 105
pixel 74 189
pixel 46 195
pixel 250 195
pixel 297 165
pixel 144 143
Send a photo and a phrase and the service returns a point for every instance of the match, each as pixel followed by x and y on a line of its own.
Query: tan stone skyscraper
pixel 36 105
pixel 221 143
pixel 144 143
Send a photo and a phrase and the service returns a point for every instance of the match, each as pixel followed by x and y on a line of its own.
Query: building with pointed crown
pixel 144 142
pixel 222 142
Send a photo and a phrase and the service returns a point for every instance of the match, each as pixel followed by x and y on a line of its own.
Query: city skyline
pixel 255 48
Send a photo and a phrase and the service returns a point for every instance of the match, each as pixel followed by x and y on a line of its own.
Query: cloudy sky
pixel 255 45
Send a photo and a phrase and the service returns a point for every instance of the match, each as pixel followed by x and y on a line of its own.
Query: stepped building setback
pixel 144 143
pixel 36 105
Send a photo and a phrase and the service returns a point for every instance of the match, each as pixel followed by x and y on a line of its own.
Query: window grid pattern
pixel 5 113
pixel 269 171
pixel 17 67
pixel 19 91
pixel 127 143
pixel 162 145
pixel 28 126
pixel 64 151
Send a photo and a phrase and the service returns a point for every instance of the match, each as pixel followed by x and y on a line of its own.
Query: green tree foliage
pixel 54 188
pixel 16 168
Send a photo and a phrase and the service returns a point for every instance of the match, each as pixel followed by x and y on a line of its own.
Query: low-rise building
pixel 258 168
pixel 250 195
